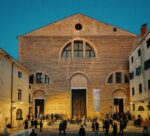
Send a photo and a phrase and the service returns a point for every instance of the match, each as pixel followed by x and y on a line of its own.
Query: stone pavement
pixel 72 130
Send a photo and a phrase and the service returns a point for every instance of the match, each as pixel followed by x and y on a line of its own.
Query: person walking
pixel 121 127
pixel 35 123
pixel 82 131
pixel 41 125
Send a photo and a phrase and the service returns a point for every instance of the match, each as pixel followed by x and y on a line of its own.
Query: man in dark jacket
pixel 82 131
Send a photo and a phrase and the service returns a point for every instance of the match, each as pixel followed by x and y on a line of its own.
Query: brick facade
pixel 40 51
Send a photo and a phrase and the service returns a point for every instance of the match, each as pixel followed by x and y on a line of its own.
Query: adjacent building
pixel 79 66
pixel 14 91
pixel 139 61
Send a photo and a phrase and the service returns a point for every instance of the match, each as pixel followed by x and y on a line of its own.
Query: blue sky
pixel 21 16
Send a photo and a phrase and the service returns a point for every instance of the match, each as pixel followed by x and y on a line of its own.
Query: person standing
pixel 114 129
pixel 41 125
pixel 145 131
pixel 60 127
pixel 96 127
pixel 93 125
pixel 121 127
pixel 33 133
pixel 64 126
pixel 26 124
pixel 82 131
pixel 35 123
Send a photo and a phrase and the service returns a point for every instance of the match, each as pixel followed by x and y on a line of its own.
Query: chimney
pixel 143 29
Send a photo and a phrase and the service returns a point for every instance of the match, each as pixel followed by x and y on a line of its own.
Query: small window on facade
pixel 78 27
pixel 148 43
pixel 29 98
pixel 133 92
pixel 149 84
pixel 118 77
pixel 67 51
pixel 132 60
pixel 141 108
pixel 31 79
pixel 126 78
pixel 89 51
pixel 46 79
pixel 38 77
pixel 131 75
pixel 138 70
pixel 133 107
pixel 19 74
pixel 110 79
pixel 19 95
pixel 147 64
pixel 30 110
pixel 78 49
pixel 114 29
pixel 139 52
pixel 140 88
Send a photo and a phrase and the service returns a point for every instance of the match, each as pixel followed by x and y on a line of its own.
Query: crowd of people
pixel 117 122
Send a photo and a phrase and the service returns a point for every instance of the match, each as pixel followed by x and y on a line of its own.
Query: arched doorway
pixel 39 100
pixel 119 100
pixel 78 95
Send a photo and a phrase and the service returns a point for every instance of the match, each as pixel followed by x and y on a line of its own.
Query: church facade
pixel 79 67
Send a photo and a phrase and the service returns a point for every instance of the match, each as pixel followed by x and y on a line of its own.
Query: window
pixel 31 79
pixel 118 77
pixel 131 75
pixel 149 84
pixel 67 51
pixel 140 88
pixel 29 98
pixel 38 77
pixel 78 27
pixel 148 43
pixel 133 106
pixel 147 64
pixel 139 52
pixel 46 79
pixel 141 108
pixel 19 74
pixel 19 95
pixel 114 29
pixel 138 70
pixel 126 79
pixel 78 49
pixel 89 51
pixel 132 59
pixel 133 92
pixel 110 79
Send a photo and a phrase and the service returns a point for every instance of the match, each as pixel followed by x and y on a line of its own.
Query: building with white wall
pixel 14 91
pixel 139 63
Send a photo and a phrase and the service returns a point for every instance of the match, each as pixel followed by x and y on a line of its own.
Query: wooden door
pixel 78 102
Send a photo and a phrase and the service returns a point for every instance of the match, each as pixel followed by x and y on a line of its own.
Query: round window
pixel 78 26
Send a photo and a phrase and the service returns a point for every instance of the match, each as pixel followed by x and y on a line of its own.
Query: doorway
pixel 39 107
pixel 119 104
pixel 78 102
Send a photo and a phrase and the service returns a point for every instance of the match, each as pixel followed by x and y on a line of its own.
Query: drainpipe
pixel 12 78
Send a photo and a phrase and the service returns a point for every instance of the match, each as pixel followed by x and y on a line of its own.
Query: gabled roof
pixel 66 27
pixel 5 54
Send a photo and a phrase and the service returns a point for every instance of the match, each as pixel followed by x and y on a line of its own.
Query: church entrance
pixel 39 107
pixel 78 102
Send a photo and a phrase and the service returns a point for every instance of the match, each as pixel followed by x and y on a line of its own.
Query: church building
pixel 79 67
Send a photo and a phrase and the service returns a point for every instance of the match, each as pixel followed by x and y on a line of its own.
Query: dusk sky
pixel 18 17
